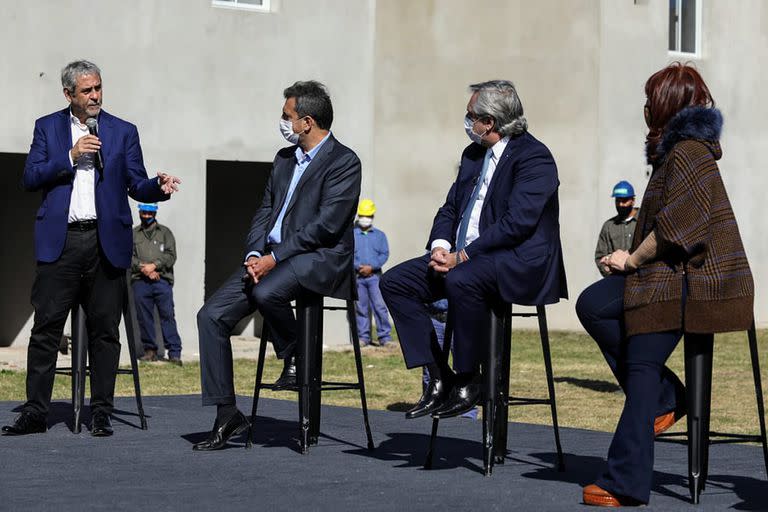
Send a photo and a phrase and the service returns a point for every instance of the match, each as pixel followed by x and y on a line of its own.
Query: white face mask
pixel 364 222
pixel 474 137
pixel 286 129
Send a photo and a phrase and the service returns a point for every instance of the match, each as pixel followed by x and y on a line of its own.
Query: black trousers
pixel 650 388
pixel 471 289
pixel 231 303
pixel 81 275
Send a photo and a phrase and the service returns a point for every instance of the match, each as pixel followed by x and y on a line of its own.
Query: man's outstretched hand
pixel 169 184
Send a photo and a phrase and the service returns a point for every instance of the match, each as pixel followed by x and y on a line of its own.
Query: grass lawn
pixel 587 395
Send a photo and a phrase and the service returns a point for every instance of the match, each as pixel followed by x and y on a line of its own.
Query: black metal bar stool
pixel 495 395
pixel 80 369
pixel 698 382
pixel 309 361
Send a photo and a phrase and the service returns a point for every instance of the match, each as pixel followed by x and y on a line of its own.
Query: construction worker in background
pixel 371 252
pixel 617 231
pixel 154 253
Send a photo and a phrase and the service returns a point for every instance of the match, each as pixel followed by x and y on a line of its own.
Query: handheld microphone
pixel 93 129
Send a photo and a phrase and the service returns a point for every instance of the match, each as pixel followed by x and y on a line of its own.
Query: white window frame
pixel 235 4
pixel 678 32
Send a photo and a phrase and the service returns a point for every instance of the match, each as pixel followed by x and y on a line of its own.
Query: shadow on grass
pixel 600 386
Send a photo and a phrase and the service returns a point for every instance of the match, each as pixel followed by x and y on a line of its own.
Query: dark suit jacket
pixel 48 169
pixel 519 225
pixel 317 239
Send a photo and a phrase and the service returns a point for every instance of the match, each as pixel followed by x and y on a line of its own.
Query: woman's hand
pixel 616 261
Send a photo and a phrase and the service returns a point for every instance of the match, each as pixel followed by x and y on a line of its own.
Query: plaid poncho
pixel 687 207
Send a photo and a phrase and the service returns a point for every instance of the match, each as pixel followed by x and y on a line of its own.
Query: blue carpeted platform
pixel 157 470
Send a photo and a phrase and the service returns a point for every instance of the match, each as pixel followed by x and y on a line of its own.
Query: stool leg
pixel 502 403
pixel 129 313
pixel 355 339
pixel 447 339
pixel 490 381
pixel 259 371
pixel 431 449
pixel 544 334
pixel 307 320
pixel 698 372
pixel 758 390
pixel 79 361
pixel 316 367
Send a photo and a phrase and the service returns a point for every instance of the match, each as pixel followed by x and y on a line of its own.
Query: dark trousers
pixel 82 275
pixel 471 289
pixel 650 388
pixel 231 303
pixel 147 295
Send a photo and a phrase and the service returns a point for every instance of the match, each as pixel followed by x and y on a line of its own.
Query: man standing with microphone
pixel 83 238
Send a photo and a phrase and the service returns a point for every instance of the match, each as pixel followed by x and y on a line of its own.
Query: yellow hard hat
pixel 366 208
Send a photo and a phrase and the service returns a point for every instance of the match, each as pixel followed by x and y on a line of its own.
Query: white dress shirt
pixel 82 204
pixel 473 229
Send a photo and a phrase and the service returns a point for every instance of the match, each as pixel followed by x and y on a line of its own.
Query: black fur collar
pixel 697 123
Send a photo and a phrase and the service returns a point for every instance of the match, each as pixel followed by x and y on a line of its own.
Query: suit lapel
pixel 281 181
pixel 466 191
pixel 63 130
pixel 501 168
pixel 311 170
pixel 106 136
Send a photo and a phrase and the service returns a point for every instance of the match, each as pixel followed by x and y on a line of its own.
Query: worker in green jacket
pixel 617 231
pixel 154 253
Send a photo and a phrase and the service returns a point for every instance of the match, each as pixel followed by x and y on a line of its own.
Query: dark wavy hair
pixel 312 100
pixel 668 91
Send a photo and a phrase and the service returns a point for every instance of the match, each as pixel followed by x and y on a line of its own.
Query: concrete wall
pixel 205 83
pixel 200 82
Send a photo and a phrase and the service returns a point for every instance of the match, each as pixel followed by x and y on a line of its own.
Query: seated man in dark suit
pixel 496 238
pixel 300 240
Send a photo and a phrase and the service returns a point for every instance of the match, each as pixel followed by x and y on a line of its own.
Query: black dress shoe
pixel 220 434
pixel 26 423
pixel 433 398
pixel 101 425
pixel 287 377
pixel 463 398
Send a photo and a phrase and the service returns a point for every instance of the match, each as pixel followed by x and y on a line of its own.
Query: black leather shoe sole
pixel 102 432
pixel 207 446
pixel 10 430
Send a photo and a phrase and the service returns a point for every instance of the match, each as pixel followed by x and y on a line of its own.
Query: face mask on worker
pixel 365 222
pixel 624 211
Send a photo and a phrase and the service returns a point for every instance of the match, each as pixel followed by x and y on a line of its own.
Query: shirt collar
pixel 75 121
pixel 301 156
pixel 499 147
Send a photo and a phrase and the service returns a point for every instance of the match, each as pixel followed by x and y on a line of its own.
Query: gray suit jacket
pixel 317 239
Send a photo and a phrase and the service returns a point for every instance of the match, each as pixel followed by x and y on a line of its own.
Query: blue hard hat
pixel 623 189
pixel 147 207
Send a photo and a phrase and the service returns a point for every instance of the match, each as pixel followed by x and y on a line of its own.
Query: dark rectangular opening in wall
pixel 233 194
pixel 17 252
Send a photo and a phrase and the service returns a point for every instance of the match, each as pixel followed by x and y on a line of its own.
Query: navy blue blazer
pixel 48 169
pixel 519 224
pixel 316 235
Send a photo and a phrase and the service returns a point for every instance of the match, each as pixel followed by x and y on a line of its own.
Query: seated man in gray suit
pixel 300 239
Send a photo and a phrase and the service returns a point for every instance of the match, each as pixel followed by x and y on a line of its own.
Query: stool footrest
pixel 516 400
pixel 724 438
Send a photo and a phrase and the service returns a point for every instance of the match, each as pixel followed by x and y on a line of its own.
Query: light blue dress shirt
pixel 302 162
